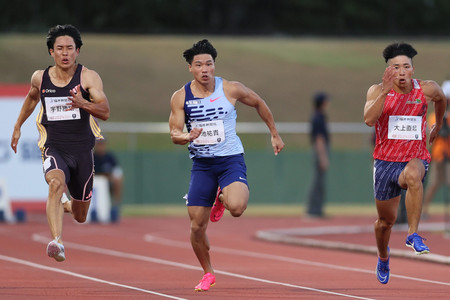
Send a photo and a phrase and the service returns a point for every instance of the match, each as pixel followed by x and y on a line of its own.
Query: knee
pixel 56 184
pixel 198 230
pixel 413 178
pixel 384 224
pixel 79 218
pixel 238 210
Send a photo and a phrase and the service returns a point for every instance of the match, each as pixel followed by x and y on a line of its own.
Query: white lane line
pixel 103 251
pixel 299 236
pixel 172 243
pixel 43 267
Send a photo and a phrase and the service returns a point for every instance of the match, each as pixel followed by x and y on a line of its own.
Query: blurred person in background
pixel 206 105
pixel 106 164
pixel 71 96
pixel 397 107
pixel 440 154
pixel 320 139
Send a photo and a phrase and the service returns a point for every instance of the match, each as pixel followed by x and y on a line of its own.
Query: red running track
pixel 151 258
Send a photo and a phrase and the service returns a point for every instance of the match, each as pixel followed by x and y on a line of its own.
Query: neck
pixel 62 76
pixel 202 90
pixel 406 89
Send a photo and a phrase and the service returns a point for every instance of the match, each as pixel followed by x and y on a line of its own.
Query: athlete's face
pixel 203 68
pixel 405 70
pixel 64 51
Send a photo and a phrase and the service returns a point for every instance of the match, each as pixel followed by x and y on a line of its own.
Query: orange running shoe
pixel 206 282
pixel 218 208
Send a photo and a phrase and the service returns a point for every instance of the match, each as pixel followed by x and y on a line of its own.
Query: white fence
pixel 241 127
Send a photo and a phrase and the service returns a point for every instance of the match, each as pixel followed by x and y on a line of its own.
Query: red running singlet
pixel 402 144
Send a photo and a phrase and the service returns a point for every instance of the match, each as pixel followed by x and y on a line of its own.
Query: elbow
pixel 370 122
pixel 105 116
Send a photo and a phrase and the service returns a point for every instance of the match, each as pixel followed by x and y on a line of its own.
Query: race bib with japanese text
pixel 56 108
pixel 405 128
pixel 213 132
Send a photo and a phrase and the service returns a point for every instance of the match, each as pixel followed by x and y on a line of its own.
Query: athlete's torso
pixel 401 128
pixel 217 116
pixel 69 130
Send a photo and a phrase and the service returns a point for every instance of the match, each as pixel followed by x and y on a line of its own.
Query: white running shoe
pixel 56 250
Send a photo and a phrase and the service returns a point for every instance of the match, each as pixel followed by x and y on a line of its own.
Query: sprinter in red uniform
pixel 71 96
pixel 397 107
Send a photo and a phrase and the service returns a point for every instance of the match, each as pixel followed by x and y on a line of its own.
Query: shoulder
pixel 178 97
pixel 234 88
pixel 428 84
pixel 375 88
pixel 88 74
pixel 231 85
pixel 431 89
pixel 36 78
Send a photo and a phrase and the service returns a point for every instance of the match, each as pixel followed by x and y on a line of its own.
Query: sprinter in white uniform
pixel 206 106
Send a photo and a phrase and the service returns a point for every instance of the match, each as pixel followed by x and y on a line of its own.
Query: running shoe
pixel 217 209
pixel 56 250
pixel 415 241
pixel 206 282
pixel 382 270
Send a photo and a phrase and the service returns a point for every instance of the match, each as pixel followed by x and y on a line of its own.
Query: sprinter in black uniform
pixel 72 97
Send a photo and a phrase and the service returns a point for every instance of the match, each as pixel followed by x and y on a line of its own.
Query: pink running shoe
pixel 217 209
pixel 56 250
pixel 207 281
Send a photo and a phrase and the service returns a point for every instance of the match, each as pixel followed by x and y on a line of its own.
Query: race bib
pixel 213 132
pixel 405 128
pixel 56 108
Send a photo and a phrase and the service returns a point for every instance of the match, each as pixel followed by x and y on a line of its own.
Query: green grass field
pixel 140 73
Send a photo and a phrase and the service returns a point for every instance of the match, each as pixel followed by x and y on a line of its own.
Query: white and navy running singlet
pixel 217 117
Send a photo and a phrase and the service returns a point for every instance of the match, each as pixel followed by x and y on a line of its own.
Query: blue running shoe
pixel 415 241
pixel 382 270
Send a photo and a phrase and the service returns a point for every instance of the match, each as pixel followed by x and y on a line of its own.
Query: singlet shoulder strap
pixel 187 89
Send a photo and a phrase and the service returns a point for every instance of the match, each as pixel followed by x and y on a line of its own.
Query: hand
pixel 15 139
pixel 433 133
pixel 390 74
pixel 277 144
pixel 76 98
pixel 195 133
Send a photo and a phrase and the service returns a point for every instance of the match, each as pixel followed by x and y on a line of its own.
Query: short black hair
pixel 201 47
pixel 61 30
pixel 397 49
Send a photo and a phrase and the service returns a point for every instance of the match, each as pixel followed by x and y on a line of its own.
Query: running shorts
pixel 209 173
pixel 78 169
pixel 385 178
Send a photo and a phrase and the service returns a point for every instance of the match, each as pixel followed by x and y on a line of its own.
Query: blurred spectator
pixel 320 141
pixel 105 163
pixel 440 151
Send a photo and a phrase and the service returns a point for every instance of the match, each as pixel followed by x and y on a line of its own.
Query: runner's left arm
pixel 248 97
pixel 99 105
pixel 435 93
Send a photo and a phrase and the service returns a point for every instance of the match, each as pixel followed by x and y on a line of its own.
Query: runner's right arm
pixel 376 95
pixel 31 100
pixel 176 121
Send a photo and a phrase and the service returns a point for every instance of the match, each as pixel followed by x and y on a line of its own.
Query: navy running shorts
pixel 78 169
pixel 209 173
pixel 385 178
